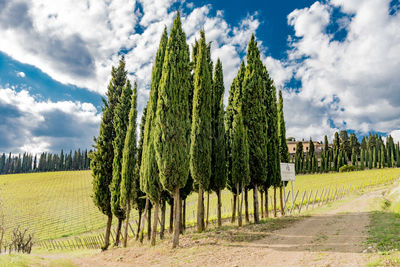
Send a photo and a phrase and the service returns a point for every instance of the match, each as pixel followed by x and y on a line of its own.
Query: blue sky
pixel 337 61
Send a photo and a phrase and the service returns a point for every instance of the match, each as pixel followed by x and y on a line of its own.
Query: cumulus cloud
pixel 348 66
pixel 21 74
pixel 76 42
pixel 36 126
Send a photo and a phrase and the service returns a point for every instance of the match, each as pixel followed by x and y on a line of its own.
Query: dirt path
pixel 330 239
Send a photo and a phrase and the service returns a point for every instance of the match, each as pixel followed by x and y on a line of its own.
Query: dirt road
pixel 333 238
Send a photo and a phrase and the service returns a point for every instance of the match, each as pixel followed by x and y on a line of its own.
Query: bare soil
pixel 333 238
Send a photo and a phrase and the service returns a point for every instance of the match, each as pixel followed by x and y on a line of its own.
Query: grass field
pixel 58 204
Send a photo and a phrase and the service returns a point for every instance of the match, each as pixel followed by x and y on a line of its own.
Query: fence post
pixel 309 198
pixel 294 202
pixel 320 197
pixel 301 203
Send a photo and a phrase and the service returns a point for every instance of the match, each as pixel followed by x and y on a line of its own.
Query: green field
pixel 58 204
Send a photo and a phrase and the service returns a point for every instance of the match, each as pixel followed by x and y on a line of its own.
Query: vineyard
pixel 58 204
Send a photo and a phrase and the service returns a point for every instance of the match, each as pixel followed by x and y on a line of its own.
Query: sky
pixel 337 62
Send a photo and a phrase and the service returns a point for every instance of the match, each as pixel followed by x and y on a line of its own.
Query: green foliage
pixel 102 158
pixel 218 163
pixel 201 133
pixel 129 156
pixel 240 152
pixel 149 175
pixel 256 87
pixel 348 168
pixel 121 121
pixel 235 95
pixel 172 129
pixel 101 162
pixel 283 148
pixel 273 158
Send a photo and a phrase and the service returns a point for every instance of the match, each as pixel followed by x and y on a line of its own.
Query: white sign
pixel 287 172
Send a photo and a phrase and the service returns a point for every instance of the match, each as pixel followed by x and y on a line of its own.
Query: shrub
pixel 348 168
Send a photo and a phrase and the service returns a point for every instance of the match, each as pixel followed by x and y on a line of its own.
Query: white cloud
pixel 21 74
pixel 77 42
pixel 30 125
pixel 353 82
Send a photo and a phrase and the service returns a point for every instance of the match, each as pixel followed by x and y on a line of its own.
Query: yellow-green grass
pixel 59 204
pixel 384 230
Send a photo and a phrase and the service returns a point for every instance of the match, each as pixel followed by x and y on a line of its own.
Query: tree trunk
pixel 256 205
pixel 262 206
pixel 138 226
pixel 200 211
pixel 117 235
pixel 219 207
pixel 175 241
pixel 274 201
pixel 181 211
pixel 155 221
pixel 149 222
pixel 246 205
pixel 184 215
pixel 281 200
pixel 234 196
pixel 128 211
pixel 144 218
pixel 266 203
pixel 171 218
pixel 162 226
pixel 108 231
pixel 239 207
pixel 208 207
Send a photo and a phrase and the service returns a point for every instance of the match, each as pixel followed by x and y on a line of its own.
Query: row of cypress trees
pixel 372 152
pixel 25 163
pixel 187 141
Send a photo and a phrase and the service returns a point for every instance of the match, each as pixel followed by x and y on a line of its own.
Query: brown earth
pixel 333 238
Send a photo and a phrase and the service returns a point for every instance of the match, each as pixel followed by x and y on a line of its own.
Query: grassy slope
pixel 384 232
pixel 58 204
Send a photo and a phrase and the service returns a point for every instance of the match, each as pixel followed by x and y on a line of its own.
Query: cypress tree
pixel 255 86
pixel 362 159
pixel 172 129
pixel 149 175
pixel 397 156
pixel 326 143
pixel 370 159
pixel 283 148
pixel 235 95
pixel 102 158
pixel 129 163
pixel 240 158
pixel 200 145
pixel 374 157
pixel 353 157
pixel 121 121
pixel 218 164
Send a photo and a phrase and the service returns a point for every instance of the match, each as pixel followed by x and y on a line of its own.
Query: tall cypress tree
pixel 235 95
pixel 103 156
pixel 149 175
pixel 200 145
pixel 121 121
pixel 218 164
pixel 240 158
pixel 172 129
pixel 273 158
pixel 129 163
pixel 255 119
pixel 283 148
pixel 101 166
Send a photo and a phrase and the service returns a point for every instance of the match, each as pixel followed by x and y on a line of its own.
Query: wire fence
pixel 301 201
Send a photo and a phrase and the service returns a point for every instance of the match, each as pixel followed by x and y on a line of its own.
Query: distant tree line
pixel 25 163
pixel 188 141
pixel 372 152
